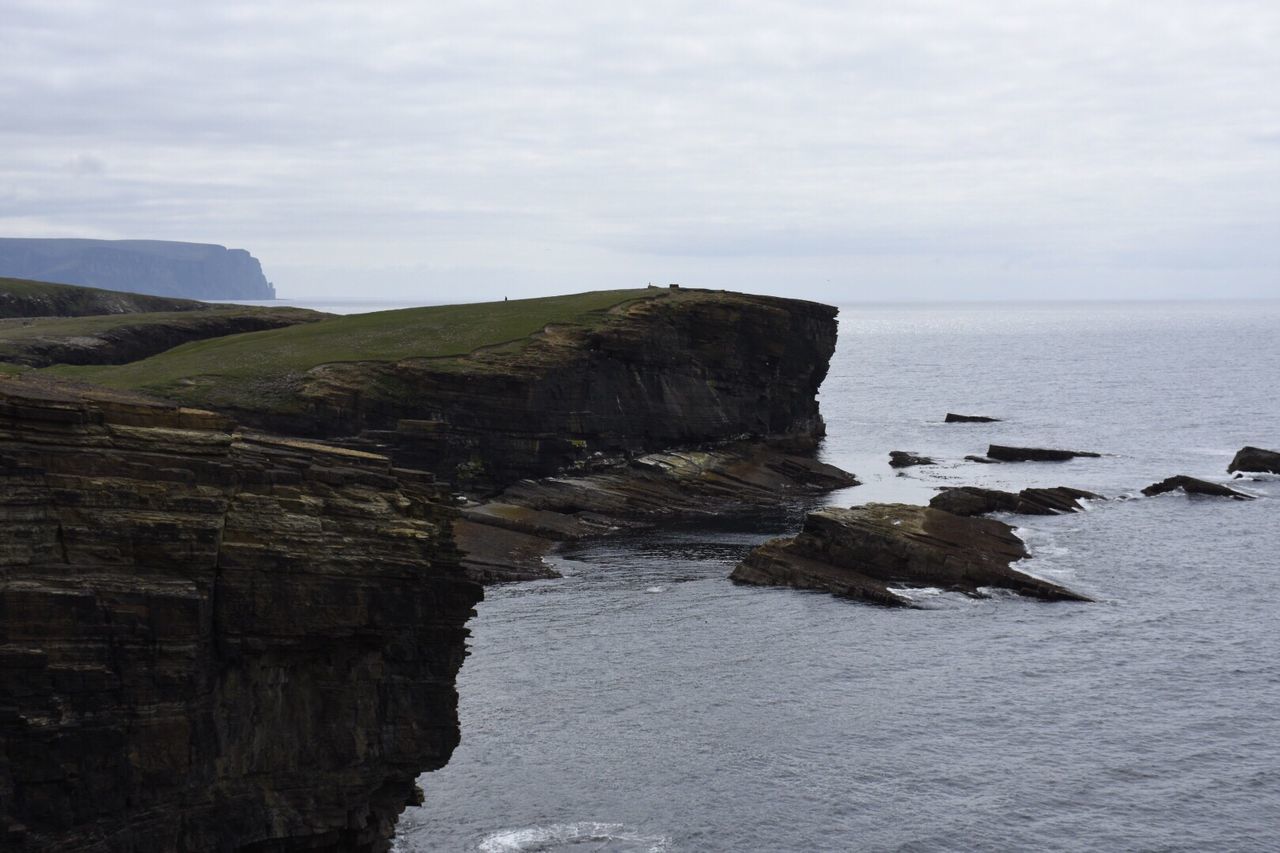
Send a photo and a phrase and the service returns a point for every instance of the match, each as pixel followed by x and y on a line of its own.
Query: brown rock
pixel 1255 459
pixel 953 418
pixel 903 459
pixel 1001 453
pixel 970 501
pixel 1192 486
pixel 862 552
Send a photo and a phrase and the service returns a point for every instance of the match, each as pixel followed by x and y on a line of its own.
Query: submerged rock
pixel 982 459
pixel 903 459
pixel 953 418
pixel 971 500
pixel 864 551
pixel 1255 459
pixel 1192 486
pixel 1001 453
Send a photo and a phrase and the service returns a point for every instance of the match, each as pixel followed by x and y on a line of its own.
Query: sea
pixel 643 702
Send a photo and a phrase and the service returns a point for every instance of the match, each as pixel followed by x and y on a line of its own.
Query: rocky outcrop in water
pixel 1000 453
pixel 159 267
pixel 213 640
pixel 1255 459
pixel 953 418
pixel 866 551
pixel 905 459
pixel 971 500
pixel 1192 486
pixel 504 539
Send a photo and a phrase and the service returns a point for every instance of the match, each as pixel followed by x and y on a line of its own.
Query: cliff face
pixel 214 641
pixel 159 267
pixel 677 370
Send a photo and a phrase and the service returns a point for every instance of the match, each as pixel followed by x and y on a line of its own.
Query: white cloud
pixel 910 148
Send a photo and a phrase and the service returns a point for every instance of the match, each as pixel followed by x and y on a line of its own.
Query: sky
pixel 442 151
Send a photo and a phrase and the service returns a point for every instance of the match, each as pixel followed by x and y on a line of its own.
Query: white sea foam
pixel 656 589
pixel 545 838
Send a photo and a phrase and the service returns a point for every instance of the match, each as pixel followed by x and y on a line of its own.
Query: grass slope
pixel 21 297
pixel 234 366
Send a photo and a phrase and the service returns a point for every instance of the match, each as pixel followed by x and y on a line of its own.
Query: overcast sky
pixel 845 150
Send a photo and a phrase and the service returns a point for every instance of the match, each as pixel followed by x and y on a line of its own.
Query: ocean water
pixel 645 703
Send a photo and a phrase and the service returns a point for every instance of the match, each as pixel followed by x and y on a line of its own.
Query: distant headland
pixel 156 267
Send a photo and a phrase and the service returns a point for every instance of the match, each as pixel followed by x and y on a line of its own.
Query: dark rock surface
pixel 862 552
pixel 903 459
pixel 971 500
pixel 1255 459
pixel 1000 453
pixel 1192 486
pixel 159 267
pixel 982 459
pixel 505 538
pixel 953 418
pixel 687 369
pixel 211 640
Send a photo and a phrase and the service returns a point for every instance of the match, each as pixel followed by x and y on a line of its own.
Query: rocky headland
pixel 240 630
pixel 158 267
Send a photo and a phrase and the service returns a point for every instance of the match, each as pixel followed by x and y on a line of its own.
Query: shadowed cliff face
pixel 211 641
pixel 678 370
pixel 159 267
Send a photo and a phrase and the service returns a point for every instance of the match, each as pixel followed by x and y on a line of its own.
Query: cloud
pixel 578 145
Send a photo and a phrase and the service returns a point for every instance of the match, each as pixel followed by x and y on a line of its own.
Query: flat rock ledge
pixel 971 500
pixel 506 538
pixel 1001 453
pixel 1192 486
pixel 953 418
pixel 863 552
pixel 1255 459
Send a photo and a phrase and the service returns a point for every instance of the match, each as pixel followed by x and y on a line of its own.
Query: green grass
pixel 73 299
pixel 235 369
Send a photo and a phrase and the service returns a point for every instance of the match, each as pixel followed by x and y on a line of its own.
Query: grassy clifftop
pixel 239 369
pixel 23 298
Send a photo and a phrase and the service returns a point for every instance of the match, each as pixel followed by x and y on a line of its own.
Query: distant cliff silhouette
pixel 158 267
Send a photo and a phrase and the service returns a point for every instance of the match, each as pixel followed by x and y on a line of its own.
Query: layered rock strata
pixel 505 539
pixel 1192 486
pixel 212 640
pixel 1255 459
pixel 1001 453
pixel 972 500
pixel 680 369
pixel 865 552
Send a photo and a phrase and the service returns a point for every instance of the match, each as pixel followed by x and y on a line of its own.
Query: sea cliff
pixel 158 267
pixel 214 640
pixel 214 637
